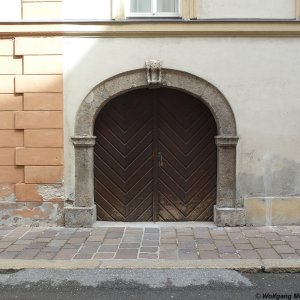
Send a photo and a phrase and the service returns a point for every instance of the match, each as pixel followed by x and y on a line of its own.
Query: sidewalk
pixel 151 245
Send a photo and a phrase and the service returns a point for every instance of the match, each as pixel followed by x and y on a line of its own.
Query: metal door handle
pixel 160 159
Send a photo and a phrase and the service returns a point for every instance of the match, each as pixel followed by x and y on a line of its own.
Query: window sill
pixel 155 18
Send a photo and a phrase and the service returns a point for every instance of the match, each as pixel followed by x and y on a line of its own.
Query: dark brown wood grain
pixel 155 158
pixel 123 159
pixel 187 179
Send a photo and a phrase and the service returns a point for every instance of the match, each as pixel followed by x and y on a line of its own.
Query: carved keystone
pixel 154 78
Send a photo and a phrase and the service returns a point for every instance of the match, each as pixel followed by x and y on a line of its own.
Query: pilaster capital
pixel 83 140
pixel 226 141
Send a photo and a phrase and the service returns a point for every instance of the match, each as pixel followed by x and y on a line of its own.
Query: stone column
pixel 225 212
pixel 83 213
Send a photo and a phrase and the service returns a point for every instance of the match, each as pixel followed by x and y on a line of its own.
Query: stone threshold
pixel 100 224
pixel 241 265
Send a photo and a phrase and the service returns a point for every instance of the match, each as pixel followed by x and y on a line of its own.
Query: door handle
pixel 160 159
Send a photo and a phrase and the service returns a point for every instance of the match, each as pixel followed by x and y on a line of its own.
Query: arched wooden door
pixel 155 158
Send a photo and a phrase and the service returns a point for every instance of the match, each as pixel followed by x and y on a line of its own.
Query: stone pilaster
pixel 84 170
pixel 226 177
pixel 225 212
pixel 83 213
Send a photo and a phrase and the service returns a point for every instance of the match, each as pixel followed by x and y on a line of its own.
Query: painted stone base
pixel 80 216
pixel 31 213
pixel 272 211
pixel 229 216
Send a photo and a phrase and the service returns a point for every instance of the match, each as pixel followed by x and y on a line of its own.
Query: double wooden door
pixel 155 158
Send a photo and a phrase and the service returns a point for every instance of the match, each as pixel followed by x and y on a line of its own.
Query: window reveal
pixel 148 8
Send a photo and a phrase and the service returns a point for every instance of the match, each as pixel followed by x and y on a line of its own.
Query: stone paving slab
pixel 148 243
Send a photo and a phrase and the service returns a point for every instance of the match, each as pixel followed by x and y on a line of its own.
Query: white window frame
pixel 154 12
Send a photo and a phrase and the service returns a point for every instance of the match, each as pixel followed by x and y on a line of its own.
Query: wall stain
pixel 279 177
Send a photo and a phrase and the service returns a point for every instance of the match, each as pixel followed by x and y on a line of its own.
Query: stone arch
pixel 84 212
pixel 136 79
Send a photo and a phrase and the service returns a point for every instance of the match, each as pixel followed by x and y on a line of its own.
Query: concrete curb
pixel 281 265
pixel 253 264
pixel 242 265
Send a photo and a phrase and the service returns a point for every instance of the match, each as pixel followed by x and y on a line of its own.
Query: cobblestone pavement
pixel 167 243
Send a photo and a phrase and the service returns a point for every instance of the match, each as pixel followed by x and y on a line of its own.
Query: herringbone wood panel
pixel 130 185
pixel 187 179
pixel 123 159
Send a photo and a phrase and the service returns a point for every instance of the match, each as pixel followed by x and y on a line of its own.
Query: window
pixel 153 8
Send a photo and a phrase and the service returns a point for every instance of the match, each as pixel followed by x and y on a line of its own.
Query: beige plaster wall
pixel 206 9
pixel 268 211
pixel 10 10
pixel 266 9
pixel 259 77
pixel 86 9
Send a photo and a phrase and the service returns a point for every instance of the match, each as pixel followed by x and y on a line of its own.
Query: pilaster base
pixel 80 216
pixel 224 216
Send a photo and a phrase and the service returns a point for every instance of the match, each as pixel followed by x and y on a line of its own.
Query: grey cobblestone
pixel 206 247
pixel 126 254
pixel 212 254
pixel 108 248
pixel 248 254
pixel 148 243
pixel 149 249
pixel 148 255
pixel 104 255
pixel 167 243
pixel 168 254
pixel 229 256
pixel 129 245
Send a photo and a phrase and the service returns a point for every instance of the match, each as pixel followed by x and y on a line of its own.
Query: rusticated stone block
pixel 46 83
pixel 229 216
pixel 43 174
pixel 7 83
pixel 7 192
pixel 38 45
pixel 39 119
pixel 80 216
pixel 6 47
pixel 39 156
pixel 39 192
pixel 10 65
pixel 25 213
pixel 27 192
pixel 11 174
pixel 43 138
pixel 43 64
pixel 7 156
pixel 11 138
pixel 11 102
pixel 7 120
pixel 43 101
